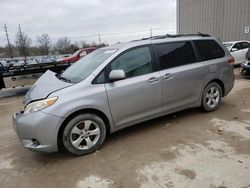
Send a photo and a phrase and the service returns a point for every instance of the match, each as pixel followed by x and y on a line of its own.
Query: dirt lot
pixel 186 149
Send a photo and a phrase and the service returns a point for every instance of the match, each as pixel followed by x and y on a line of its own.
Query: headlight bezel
pixel 38 105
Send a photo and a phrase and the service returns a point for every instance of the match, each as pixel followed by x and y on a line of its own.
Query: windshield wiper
pixel 63 78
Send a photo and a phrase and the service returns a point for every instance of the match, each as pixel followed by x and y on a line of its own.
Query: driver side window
pixel 135 62
pixel 237 46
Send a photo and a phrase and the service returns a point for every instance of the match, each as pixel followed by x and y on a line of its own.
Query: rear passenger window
pixel 175 54
pixel 209 49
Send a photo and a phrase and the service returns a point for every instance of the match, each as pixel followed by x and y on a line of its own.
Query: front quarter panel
pixel 79 97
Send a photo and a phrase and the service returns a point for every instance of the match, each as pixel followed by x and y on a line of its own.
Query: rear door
pixel 181 75
pixel 138 97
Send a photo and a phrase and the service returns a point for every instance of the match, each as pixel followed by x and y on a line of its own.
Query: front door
pixel 139 96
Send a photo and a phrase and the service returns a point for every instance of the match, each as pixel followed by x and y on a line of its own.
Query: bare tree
pixel 83 44
pixel 22 43
pixel 63 45
pixel 44 43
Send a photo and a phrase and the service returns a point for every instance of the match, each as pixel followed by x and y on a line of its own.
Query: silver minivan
pixel 121 85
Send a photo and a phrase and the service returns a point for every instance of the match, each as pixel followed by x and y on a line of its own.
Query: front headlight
pixel 39 105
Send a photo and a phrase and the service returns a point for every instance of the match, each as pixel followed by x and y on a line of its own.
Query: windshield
pixel 74 54
pixel 85 66
pixel 228 45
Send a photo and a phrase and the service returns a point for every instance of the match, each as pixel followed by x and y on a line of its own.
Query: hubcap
pixel 84 134
pixel 213 97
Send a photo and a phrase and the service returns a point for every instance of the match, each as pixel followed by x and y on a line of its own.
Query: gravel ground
pixel 186 149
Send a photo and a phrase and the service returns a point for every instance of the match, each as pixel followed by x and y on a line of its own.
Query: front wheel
pixel 84 134
pixel 211 97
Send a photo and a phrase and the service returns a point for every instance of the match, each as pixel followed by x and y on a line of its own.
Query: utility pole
pixel 99 39
pixel 7 37
pixel 151 32
pixel 22 43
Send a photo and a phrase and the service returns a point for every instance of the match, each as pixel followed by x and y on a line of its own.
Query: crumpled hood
pixel 44 86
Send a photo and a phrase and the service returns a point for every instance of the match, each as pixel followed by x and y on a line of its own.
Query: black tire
pixel 205 100
pixel 79 120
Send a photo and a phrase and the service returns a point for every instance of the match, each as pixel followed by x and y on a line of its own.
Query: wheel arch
pixel 218 81
pixel 221 84
pixel 81 111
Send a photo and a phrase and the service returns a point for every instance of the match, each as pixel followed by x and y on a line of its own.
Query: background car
pixel 245 70
pixel 17 63
pixel 77 55
pixel 3 64
pixel 238 49
pixel 46 59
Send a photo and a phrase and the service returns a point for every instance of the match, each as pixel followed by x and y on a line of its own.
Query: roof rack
pixel 174 36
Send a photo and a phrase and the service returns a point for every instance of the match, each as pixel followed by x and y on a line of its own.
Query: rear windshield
pixel 209 49
pixel 85 66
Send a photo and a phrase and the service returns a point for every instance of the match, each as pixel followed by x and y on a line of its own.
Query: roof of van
pixel 157 39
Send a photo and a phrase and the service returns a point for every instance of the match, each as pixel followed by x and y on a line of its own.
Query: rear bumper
pixel 37 131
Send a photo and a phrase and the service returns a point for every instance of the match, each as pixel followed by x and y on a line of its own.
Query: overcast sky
pixel 114 20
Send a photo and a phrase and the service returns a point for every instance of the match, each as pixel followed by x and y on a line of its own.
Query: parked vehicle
pixel 77 55
pixel 121 85
pixel 245 70
pixel 238 49
pixel 16 63
pixel 4 64
pixel 46 59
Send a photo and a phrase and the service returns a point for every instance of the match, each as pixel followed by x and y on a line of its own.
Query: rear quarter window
pixel 209 49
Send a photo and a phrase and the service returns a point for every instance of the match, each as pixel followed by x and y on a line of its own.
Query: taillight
pixel 231 60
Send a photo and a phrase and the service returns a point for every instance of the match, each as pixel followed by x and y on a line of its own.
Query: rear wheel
pixel 211 97
pixel 84 134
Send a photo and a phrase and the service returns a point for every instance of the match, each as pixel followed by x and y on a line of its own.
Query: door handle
pixel 167 76
pixel 153 79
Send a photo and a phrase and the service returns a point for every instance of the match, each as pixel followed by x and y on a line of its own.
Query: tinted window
pixel 245 45
pixel 209 49
pixel 237 46
pixel 135 62
pixel 175 54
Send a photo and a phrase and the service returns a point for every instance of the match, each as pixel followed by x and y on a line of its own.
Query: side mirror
pixel 116 75
pixel 234 49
